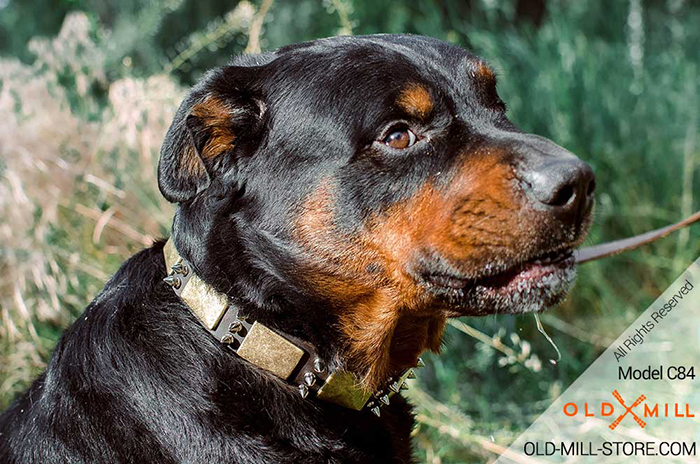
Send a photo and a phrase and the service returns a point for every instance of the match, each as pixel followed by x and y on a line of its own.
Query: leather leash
pixel 626 244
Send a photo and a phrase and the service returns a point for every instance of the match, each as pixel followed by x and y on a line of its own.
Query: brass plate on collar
pixel 271 351
pixel 342 388
pixel 171 255
pixel 208 304
pixel 205 302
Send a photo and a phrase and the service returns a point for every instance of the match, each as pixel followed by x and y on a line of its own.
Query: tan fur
pixel 216 115
pixel 484 73
pixel 191 165
pixel 416 100
pixel 387 318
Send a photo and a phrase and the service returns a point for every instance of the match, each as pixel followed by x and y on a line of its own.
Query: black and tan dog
pixel 338 200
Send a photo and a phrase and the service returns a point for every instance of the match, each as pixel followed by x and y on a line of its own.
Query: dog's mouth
pixel 526 286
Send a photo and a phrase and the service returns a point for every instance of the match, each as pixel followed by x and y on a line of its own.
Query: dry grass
pixel 78 189
pixel 78 192
pixel 78 185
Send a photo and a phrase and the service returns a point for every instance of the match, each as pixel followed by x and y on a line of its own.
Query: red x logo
pixel 628 410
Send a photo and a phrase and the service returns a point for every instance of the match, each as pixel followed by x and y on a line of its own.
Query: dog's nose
pixel 565 184
pixel 554 178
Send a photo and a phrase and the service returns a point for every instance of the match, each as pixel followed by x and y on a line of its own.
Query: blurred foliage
pixel 87 97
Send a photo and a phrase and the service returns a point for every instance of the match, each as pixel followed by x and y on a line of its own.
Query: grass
pixel 78 190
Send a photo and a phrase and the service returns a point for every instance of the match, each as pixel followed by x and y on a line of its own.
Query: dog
pixel 337 202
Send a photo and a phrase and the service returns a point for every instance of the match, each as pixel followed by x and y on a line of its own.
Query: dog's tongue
pixel 620 246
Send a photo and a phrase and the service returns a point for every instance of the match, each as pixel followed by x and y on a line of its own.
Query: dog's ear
pixel 217 114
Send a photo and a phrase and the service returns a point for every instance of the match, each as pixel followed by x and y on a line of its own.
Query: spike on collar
pixel 290 359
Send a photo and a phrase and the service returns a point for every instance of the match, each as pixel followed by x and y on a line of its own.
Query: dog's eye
pixel 400 138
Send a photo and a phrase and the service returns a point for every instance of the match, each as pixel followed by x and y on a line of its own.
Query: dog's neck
pixel 289 358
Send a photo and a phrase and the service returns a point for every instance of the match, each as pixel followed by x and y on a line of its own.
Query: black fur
pixel 137 379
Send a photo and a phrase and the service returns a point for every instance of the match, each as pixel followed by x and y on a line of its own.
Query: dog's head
pixel 371 187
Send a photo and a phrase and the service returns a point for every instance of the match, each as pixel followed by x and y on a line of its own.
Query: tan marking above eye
pixel 484 73
pixel 400 139
pixel 415 99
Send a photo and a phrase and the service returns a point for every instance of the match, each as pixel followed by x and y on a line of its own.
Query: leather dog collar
pixel 296 361
pixel 289 358
pixel 615 247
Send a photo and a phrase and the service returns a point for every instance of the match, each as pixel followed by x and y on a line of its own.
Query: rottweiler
pixel 337 202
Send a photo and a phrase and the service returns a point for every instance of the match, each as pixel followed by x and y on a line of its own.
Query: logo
pixel 628 410
pixel 637 410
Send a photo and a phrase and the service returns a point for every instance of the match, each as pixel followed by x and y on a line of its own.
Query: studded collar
pixel 293 360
